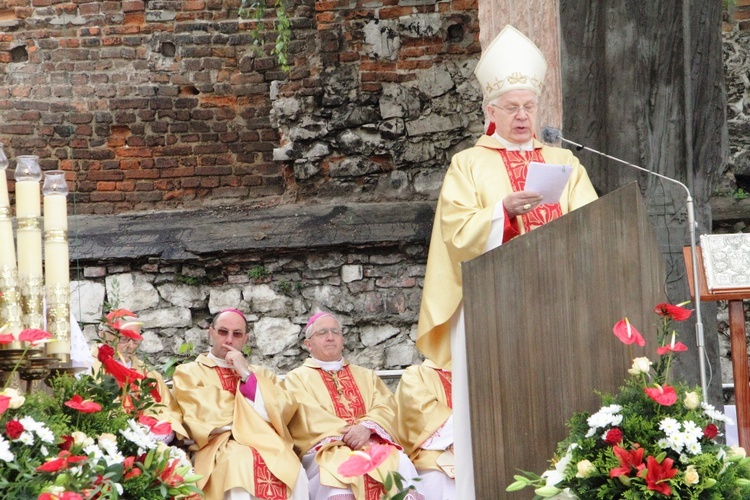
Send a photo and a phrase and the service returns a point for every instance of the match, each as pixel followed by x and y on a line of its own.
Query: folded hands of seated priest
pixel 356 436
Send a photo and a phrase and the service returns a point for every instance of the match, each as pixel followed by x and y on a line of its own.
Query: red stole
pixel 516 164
pixel 446 378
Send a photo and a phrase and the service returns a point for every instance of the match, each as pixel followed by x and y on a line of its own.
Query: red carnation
pixel 711 431
pixel 105 352
pixel 613 436
pixel 14 428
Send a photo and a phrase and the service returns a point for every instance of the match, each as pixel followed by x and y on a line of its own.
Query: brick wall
pixel 166 104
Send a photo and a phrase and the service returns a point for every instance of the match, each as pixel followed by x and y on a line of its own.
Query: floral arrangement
pixel 368 459
pixel 651 440
pixel 88 437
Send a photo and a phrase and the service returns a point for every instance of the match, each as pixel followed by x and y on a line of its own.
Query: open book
pixel 726 260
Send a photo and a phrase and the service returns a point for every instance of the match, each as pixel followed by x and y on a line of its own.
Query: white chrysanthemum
pixel 693 448
pixel 611 409
pixel 676 442
pixel 45 434
pixel 116 458
pixel 26 438
pixel 140 436
pixel 711 413
pixel 5 454
pixel 616 420
pixel 30 424
pixel 44 451
pixel 669 426
pixel 94 452
pixel 179 454
pixel 663 443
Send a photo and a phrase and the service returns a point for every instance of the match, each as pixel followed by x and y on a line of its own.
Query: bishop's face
pixel 514 114
pixel 229 329
pixel 327 340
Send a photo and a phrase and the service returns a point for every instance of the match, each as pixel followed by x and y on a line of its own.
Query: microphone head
pixel 551 135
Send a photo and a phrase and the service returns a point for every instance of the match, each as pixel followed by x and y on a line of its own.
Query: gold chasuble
pixel 424 405
pixel 330 401
pixel 477 179
pixel 236 447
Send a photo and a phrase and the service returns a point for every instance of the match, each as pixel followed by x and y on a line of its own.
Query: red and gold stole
pixel 267 486
pixel 446 378
pixel 516 163
pixel 345 395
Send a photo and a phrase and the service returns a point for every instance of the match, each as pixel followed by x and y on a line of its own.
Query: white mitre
pixel 510 62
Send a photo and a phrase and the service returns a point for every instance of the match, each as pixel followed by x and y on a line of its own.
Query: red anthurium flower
pixel 115 314
pixel 711 431
pixel 4 403
pixel 131 334
pixel 665 396
pixel 67 495
pixel 676 313
pixel 658 474
pixel 33 336
pixel 14 429
pixel 613 436
pixel 155 426
pixel 63 460
pixel 78 403
pixel 629 460
pixel 677 347
pixel 627 334
pixel 6 338
pixel 366 460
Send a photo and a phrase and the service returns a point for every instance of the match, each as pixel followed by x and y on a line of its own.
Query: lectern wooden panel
pixel 539 316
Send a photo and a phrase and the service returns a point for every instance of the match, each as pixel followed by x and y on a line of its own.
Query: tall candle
pixel 57 263
pixel 29 240
pixel 10 311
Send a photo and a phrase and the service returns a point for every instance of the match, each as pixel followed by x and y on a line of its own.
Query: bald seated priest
pixel 344 407
pixel 238 416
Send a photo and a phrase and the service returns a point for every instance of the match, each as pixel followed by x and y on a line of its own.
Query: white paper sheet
pixel 547 179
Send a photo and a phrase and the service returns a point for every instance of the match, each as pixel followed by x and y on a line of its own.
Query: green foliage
pixel 185 353
pixel 258 273
pixel 190 280
pixel 741 194
pixel 281 26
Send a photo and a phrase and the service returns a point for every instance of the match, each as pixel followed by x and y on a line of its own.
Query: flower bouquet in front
pixel 82 441
pixel 654 439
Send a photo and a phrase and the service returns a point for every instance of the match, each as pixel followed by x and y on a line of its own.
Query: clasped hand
pixel 356 436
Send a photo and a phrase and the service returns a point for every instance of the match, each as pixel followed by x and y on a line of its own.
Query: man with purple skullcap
pixel 238 417
pixel 343 407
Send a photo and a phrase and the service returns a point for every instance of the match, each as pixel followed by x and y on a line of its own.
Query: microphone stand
pixel 699 338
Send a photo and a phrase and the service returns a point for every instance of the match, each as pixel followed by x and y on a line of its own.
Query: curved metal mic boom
pixel 554 135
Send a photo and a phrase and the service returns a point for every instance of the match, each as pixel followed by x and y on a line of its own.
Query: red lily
pixel 658 474
pixel 627 334
pixel 169 476
pixel 78 403
pixel 33 336
pixel 6 338
pixel 628 460
pixel 63 460
pixel 665 396
pixel 129 470
pixel 673 312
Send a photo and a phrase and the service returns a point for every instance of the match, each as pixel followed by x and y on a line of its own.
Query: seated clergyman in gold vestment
pixel 344 407
pixel 425 424
pixel 123 329
pixel 238 417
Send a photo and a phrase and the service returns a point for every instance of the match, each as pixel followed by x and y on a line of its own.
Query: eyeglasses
pixel 514 110
pixel 223 332
pixel 326 331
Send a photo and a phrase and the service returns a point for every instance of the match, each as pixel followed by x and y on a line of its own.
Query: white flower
pixel 691 401
pixel 663 443
pixel 93 451
pixel 108 443
pixel 691 475
pixel 45 434
pixel 737 452
pixel 140 436
pixel 80 438
pixel 30 424
pixel 26 438
pixel 676 442
pixel 44 451
pixel 640 365
pixel 693 448
pixel 669 426
pixel 116 458
pixel 5 454
pixel 16 399
pixel 585 469
pixel 554 476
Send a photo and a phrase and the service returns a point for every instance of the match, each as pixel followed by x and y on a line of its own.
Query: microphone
pixel 552 135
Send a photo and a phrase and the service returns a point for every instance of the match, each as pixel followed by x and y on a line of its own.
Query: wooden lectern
pixel 737 339
pixel 539 315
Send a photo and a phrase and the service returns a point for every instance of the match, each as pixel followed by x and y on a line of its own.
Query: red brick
pixel 106 186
